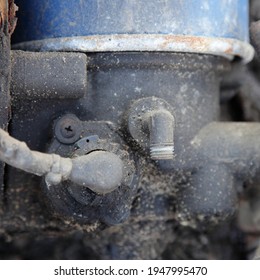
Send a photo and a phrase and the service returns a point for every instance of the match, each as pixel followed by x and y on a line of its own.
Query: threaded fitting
pixel 163 151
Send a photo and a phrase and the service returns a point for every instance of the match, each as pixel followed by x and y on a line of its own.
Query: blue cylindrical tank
pixel 48 19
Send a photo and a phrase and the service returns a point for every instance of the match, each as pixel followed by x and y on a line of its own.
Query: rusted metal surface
pixel 225 47
pixel 8 11
pixel 3 12
pixel 12 20
pixel 3 9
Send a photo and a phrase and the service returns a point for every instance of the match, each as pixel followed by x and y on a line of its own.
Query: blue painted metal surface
pixel 40 19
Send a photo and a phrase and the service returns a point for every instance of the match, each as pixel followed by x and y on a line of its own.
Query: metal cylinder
pixel 211 27
pixel 48 75
pixel 161 130
pixel 210 195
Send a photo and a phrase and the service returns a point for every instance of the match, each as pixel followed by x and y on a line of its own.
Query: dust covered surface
pixel 153 231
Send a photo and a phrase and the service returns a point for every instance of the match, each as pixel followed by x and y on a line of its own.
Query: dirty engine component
pixel 122 137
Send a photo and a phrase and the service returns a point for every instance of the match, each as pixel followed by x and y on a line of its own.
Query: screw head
pixel 68 129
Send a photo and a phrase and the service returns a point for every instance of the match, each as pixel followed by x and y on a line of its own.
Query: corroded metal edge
pixel 3 12
pixel 225 47
pixel 8 18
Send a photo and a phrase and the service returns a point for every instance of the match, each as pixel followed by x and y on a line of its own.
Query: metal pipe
pixel 235 144
pixel 161 129
pixel 56 75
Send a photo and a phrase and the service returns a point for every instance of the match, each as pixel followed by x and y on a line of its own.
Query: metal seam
pixel 225 47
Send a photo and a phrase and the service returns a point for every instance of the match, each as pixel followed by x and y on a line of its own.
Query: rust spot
pixel 7 15
pixel 186 41
pixel 226 47
pixel 12 19
pixel 229 50
pixel 3 12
